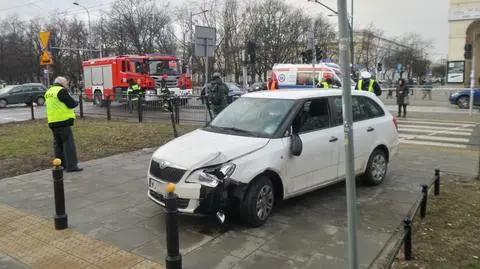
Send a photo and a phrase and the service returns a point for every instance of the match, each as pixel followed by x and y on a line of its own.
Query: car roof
pixel 296 94
pixel 35 84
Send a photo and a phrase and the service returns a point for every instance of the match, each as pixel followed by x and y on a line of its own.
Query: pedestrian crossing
pixel 437 133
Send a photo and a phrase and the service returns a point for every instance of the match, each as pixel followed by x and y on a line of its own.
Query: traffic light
pixel 251 46
pixel 307 56
pixel 319 52
pixel 468 51
pixel 379 67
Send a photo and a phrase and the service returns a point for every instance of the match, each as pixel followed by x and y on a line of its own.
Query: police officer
pixel 326 82
pixel 134 92
pixel 61 116
pixel 366 83
pixel 217 94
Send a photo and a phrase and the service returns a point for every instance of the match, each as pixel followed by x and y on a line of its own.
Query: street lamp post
pixel 89 25
pixel 191 39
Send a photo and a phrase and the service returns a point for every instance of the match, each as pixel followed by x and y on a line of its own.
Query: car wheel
pixel 463 101
pixel 376 168
pixel 258 203
pixel 40 101
pixel 3 103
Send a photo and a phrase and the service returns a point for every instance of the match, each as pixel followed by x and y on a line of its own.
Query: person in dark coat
pixel 217 94
pixel 402 97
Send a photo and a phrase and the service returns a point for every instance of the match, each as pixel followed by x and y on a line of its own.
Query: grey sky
pixel 394 17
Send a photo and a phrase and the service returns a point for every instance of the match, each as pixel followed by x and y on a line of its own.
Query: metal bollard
pixel 61 219
pixel 172 117
pixel 407 227
pixel 173 260
pixel 177 110
pixel 437 182
pixel 31 110
pixel 139 107
pixel 80 104
pixel 109 112
pixel 423 206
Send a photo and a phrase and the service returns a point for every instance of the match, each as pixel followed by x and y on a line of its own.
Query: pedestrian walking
pixel 402 97
pixel 61 116
pixel 217 94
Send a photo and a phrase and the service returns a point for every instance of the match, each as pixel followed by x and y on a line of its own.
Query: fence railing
pixel 405 229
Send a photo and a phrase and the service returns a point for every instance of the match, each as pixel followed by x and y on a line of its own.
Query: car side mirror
pixel 296 145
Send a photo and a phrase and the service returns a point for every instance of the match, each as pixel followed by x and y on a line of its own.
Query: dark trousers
pixel 404 110
pixel 64 147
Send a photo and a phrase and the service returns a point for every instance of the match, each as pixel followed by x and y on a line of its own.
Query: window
pixel 17 90
pixel 363 108
pixel 371 108
pixel 314 115
pixel 124 66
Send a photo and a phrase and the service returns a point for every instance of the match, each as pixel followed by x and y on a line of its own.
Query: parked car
pixel 234 91
pixel 462 98
pixel 258 86
pixel 270 146
pixel 25 93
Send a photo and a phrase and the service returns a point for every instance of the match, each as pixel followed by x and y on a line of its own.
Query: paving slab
pixel 107 203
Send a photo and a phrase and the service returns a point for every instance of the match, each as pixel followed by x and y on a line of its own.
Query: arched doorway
pixel 473 37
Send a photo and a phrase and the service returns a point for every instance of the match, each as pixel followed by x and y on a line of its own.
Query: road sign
pixel 46 59
pixel 44 38
pixel 205 41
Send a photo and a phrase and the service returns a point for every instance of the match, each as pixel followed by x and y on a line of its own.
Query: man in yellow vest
pixel 366 83
pixel 326 82
pixel 61 116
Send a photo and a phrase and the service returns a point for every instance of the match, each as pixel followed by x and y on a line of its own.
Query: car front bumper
pixel 195 199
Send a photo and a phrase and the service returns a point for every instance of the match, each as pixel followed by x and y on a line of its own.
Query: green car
pixel 22 94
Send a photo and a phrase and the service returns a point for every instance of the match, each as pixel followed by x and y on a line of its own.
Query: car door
pixel 364 132
pixel 317 163
pixel 29 94
pixel 476 98
pixel 15 95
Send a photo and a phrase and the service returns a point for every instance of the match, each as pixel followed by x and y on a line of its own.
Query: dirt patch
pixel 27 146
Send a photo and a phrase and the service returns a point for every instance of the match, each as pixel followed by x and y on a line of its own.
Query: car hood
pixel 202 148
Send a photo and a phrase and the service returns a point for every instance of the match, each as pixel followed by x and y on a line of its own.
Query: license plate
pixel 156 186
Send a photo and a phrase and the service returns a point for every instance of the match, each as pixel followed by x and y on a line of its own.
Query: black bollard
pixel 31 110
pixel 172 117
pixel 109 112
pixel 407 226
pixel 61 219
pixel 423 205
pixel 177 110
pixel 173 260
pixel 139 107
pixel 437 182
pixel 80 104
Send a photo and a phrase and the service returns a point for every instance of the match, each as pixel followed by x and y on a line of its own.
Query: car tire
pixel 258 202
pixel 463 101
pixel 3 103
pixel 377 168
pixel 40 101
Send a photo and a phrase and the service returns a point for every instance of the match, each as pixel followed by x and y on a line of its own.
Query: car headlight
pixel 212 176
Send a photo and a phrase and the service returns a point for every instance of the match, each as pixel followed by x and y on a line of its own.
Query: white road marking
pixel 427 143
pixel 435 138
pixel 429 132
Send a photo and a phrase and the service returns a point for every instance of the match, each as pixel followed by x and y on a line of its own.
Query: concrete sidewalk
pixel 107 207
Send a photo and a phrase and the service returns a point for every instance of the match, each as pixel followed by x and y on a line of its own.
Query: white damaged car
pixel 270 146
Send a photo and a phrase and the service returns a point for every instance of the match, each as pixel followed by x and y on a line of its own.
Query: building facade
pixel 464 23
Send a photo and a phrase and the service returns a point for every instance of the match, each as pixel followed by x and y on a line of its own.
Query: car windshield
pixel 258 117
pixel 160 67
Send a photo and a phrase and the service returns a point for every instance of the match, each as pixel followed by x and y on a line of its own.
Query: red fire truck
pixel 106 78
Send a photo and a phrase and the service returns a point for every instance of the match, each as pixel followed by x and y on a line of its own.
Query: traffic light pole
pixel 344 49
pixel 472 77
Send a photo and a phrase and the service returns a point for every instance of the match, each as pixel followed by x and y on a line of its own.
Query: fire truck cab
pixel 106 78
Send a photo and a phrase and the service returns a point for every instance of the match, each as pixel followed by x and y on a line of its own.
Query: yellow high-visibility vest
pixel 370 85
pixel 57 110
